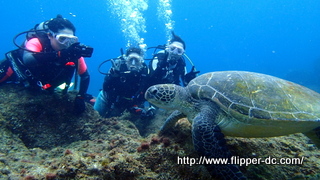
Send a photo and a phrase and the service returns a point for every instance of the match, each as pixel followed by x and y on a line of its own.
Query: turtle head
pixel 164 95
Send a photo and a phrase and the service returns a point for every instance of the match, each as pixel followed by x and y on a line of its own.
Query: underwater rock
pixel 41 138
pixel 43 120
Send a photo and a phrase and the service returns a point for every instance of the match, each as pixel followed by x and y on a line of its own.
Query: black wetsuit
pixel 125 90
pixel 163 74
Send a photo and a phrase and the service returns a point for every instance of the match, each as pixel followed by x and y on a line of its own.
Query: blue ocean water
pixel 280 38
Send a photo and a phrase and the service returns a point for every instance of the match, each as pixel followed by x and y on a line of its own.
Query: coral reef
pixel 42 138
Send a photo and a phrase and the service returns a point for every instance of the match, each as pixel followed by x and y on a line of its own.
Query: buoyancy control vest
pixel 164 72
pixel 124 86
pixel 46 75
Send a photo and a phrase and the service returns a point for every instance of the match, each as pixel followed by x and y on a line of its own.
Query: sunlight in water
pixel 132 22
pixel 164 15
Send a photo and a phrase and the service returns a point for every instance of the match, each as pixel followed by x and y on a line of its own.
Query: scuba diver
pixel 168 65
pixel 124 86
pixel 48 58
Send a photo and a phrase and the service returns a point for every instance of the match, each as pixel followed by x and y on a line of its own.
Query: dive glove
pixel 136 110
pixel 144 114
pixel 79 104
pixel 72 53
pixel 149 114
pixel 89 99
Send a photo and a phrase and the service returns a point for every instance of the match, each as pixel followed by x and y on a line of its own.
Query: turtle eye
pixel 153 91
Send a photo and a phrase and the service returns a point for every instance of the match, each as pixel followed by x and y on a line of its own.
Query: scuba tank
pixel 39 31
pixel 15 56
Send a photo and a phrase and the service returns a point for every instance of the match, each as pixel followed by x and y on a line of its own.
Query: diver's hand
pixel 114 72
pixel 149 114
pixel 79 104
pixel 71 53
pixel 162 64
pixel 89 99
pixel 190 75
pixel 136 110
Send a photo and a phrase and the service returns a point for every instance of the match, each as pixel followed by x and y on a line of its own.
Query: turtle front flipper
pixel 171 121
pixel 209 142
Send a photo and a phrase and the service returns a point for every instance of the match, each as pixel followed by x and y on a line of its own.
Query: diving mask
pixel 174 49
pixel 134 62
pixel 66 39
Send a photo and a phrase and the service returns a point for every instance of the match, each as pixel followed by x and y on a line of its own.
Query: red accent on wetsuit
pixel 70 64
pixel 9 72
pixel 46 86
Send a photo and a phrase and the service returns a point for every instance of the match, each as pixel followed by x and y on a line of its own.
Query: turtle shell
pixel 257 96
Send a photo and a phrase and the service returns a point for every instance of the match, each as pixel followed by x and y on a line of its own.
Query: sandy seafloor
pixel 41 138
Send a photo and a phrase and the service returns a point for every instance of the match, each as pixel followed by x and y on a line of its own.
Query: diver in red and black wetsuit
pixel 49 58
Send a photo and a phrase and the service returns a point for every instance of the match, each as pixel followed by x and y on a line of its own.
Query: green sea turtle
pixel 237 103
